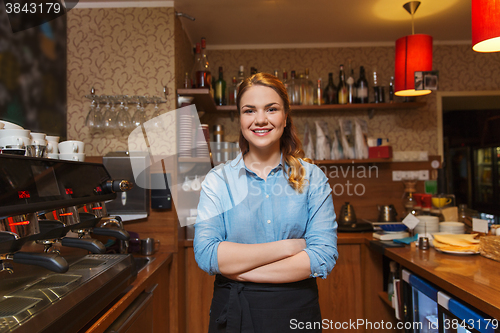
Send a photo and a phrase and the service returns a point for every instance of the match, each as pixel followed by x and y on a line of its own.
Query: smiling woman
pixel 266 224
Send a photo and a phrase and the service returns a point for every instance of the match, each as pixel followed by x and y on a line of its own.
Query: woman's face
pixel 262 117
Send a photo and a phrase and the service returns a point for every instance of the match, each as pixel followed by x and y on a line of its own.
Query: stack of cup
pixel 52 148
pixel 71 150
pixel 452 227
pixel 14 140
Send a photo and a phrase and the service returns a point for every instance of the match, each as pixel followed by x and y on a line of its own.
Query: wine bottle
pixel 362 86
pixel 330 91
pixel 351 88
pixel 391 90
pixel 220 89
pixel 318 94
pixel 203 75
pixel 241 75
pixel 376 88
pixel 342 88
pixel 233 92
pixel 196 67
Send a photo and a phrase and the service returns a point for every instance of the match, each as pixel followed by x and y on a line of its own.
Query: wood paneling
pixel 340 294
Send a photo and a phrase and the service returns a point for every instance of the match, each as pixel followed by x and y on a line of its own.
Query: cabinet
pixel 349 293
pixel 487 179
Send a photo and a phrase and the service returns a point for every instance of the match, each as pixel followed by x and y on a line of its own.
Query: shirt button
pixel 268 221
pixel 315 274
pixel 267 196
pixel 272 173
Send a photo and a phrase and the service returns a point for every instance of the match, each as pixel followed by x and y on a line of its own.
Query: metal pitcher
pixel 387 213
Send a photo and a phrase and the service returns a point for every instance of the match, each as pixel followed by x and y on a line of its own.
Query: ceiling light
pixel 413 53
pixel 486 25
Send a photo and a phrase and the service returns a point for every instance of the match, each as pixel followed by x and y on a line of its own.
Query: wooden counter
pixel 472 278
pixel 154 277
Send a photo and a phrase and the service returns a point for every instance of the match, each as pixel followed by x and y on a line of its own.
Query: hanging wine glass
pixel 157 121
pixel 90 120
pixel 123 117
pixel 109 115
pixel 140 115
pixel 98 117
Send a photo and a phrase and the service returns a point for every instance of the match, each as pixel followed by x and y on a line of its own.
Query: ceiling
pixel 240 24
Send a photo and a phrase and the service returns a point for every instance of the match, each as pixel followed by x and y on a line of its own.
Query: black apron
pixel 247 307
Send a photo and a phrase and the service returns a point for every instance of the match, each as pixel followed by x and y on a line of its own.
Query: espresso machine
pixel 54 277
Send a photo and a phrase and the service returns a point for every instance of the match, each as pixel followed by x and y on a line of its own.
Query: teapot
pixel 386 213
pixel 347 215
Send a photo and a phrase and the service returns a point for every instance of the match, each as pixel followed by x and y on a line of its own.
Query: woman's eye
pixel 247 111
pixel 272 109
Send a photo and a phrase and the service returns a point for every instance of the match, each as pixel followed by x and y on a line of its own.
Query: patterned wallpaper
pixel 416 129
pixel 118 51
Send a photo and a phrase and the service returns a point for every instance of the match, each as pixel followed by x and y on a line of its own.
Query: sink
pixel 141 262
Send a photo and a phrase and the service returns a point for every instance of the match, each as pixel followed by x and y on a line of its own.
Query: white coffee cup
pixel 15 141
pixel 80 157
pixel 38 139
pixel 9 125
pixel 71 147
pixel 53 156
pixel 6 132
pixel 52 142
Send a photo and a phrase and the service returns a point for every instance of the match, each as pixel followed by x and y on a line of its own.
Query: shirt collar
pixel 242 168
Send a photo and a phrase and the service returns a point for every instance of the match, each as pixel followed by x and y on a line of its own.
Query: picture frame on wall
pixel 426 80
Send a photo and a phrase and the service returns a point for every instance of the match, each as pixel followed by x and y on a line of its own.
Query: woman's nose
pixel 261 118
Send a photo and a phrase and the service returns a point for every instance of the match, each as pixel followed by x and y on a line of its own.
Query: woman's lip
pixel 262 134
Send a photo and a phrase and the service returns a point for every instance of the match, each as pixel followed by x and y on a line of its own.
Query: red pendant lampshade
pixel 413 54
pixel 486 25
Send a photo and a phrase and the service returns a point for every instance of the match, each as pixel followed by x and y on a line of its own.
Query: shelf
pixel 202 98
pixel 333 107
pixel 193 160
pixel 368 160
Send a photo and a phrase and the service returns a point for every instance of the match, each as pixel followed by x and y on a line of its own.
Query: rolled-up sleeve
pixel 321 230
pixel 209 227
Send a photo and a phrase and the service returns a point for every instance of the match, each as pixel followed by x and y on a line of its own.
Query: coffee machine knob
pixel 118 185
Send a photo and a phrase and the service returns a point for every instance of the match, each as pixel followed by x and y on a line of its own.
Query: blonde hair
pixel 290 144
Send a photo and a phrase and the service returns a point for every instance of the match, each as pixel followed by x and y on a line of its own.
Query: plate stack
pixel 452 228
pixel 428 224
pixel 185 135
pixel 202 141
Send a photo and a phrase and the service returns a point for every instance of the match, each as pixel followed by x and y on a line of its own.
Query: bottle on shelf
pixel 285 79
pixel 276 73
pixel 351 88
pixel 233 92
pixel 220 89
pixel 307 90
pixel 376 88
pixel 342 88
pixel 294 90
pixel 187 81
pixel 391 90
pixel 318 94
pixel 330 91
pixel 241 75
pixel 362 86
pixel 197 66
pixel 253 71
pixel 203 74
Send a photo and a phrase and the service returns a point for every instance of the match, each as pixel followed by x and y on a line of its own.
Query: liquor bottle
pixel 318 94
pixel 285 79
pixel 187 81
pixel 351 88
pixel 362 86
pixel 307 90
pixel 197 66
pixel 241 75
pixel 276 73
pixel 330 92
pixel 391 90
pixel 376 88
pixel 342 88
pixel 293 90
pixel 203 75
pixel 233 92
pixel 220 89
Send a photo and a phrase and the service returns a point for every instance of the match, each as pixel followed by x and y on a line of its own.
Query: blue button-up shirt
pixel 238 206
